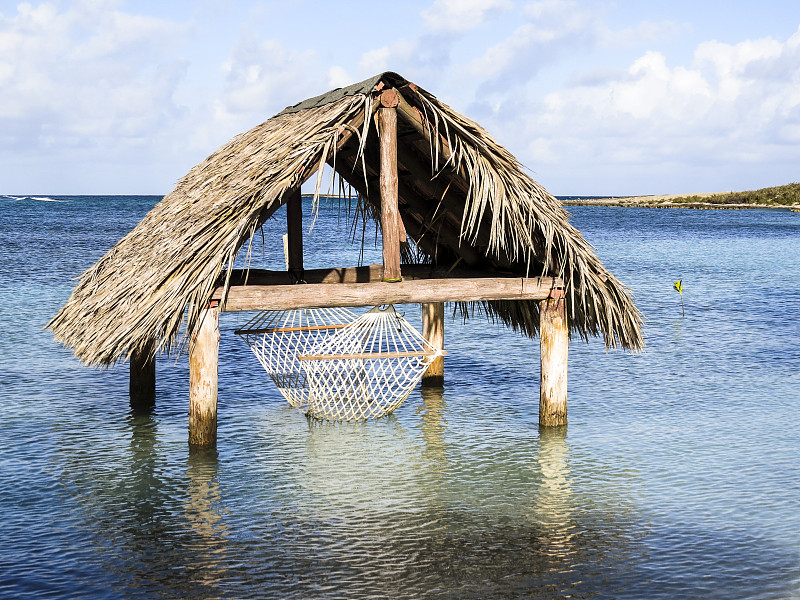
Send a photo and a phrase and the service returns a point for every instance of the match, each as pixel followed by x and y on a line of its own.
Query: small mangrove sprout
pixel 678 287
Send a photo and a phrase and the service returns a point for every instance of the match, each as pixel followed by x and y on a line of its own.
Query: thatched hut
pixel 465 208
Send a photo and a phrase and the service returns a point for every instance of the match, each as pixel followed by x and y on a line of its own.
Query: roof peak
pixel 362 87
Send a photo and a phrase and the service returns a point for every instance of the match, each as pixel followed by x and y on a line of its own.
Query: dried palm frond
pixel 162 273
pixel 154 283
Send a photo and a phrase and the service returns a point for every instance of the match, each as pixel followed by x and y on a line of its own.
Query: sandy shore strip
pixel 668 201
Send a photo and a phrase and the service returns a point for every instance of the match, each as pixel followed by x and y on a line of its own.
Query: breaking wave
pixel 37 198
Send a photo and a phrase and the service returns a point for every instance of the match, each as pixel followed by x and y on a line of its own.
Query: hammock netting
pixel 364 369
pixel 277 337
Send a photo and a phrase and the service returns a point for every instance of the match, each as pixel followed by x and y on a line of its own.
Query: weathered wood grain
pixel 414 291
pixel 203 378
pixel 554 341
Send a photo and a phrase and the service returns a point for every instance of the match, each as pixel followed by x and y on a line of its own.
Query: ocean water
pixel 677 477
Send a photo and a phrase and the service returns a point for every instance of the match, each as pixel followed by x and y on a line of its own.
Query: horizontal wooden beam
pixel 287 297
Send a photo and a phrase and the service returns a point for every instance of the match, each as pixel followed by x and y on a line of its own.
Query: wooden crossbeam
pixel 325 295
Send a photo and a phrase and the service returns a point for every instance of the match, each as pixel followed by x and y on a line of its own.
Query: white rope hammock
pixel 276 337
pixel 338 367
pixel 366 369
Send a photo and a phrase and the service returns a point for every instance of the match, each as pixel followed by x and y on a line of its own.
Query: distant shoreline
pixel 785 197
pixel 667 201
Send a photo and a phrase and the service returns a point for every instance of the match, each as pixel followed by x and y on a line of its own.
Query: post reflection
pixel 204 515
pixel 144 485
pixel 554 505
pixel 433 428
pixel 203 505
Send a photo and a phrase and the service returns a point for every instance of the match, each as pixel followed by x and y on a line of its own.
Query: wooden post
pixel 294 230
pixel 554 340
pixel 142 387
pixel 203 376
pixel 386 119
pixel 433 331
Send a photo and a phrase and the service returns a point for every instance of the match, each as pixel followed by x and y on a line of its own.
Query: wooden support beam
pixel 203 378
pixel 284 297
pixel 386 121
pixel 142 387
pixel 294 231
pixel 554 340
pixel 433 331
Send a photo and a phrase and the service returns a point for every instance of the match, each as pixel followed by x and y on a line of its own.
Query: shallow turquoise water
pixel 677 477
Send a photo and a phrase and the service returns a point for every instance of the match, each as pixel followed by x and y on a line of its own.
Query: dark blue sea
pixel 678 475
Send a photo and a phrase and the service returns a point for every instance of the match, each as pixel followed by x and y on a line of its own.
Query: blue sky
pixel 606 98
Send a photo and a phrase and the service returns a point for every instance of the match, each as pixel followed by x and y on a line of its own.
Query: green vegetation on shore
pixel 782 195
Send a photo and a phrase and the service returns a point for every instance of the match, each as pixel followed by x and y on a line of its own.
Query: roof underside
pixel 462 197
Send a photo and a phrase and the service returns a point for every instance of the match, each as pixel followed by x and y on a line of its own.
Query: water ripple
pixel 677 476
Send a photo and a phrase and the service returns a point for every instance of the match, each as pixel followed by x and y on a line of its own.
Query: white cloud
pixel 85 76
pixel 645 32
pixel 735 104
pixel 386 58
pixel 457 16
pixel 427 56
pixel 339 77
pixel 375 60
pixel 558 9
pixel 262 78
pixel 552 29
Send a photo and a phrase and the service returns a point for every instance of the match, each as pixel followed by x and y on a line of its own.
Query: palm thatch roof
pixel 463 199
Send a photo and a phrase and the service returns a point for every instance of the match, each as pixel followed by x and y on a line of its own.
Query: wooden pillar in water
pixel 294 232
pixel 203 378
pixel 386 120
pixel 142 387
pixel 554 340
pixel 433 331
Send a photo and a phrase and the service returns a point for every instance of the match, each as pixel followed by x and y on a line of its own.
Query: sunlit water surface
pixel 677 476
